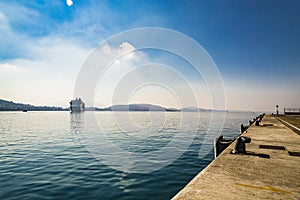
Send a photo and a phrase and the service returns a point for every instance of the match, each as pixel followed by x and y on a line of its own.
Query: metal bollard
pixel 257 123
pixel 240 146
pixel 243 128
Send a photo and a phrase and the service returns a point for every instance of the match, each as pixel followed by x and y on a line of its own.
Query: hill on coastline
pixel 140 107
pixel 12 106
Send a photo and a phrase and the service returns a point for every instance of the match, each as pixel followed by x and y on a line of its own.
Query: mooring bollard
pixel 243 128
pixel 240 146
pixel 257 123
pixel 221 144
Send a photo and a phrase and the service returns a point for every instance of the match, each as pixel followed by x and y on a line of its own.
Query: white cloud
pixel 126 47
pixel 7 66
pixel 13 43
pixel 17 13
pixel 50 64
pixel 89 25
pixel 47 72
pixel 128 70
pixel 37 70
pixel 53 62
pixel 48 77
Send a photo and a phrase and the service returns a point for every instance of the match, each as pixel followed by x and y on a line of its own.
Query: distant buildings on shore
pixel 291 111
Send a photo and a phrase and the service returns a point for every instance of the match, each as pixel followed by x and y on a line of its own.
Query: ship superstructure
pixel 77 105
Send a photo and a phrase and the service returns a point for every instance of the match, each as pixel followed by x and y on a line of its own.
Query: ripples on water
pixel 42 156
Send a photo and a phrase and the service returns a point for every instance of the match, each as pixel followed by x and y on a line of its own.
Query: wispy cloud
pixel 34 67
pixel 139 77
pixel 44 64
pixel 7 67
pixel 44 43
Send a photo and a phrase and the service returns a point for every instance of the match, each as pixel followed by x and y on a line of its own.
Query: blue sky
pixel 255 44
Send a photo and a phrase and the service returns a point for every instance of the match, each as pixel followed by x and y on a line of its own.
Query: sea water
pixel 42 155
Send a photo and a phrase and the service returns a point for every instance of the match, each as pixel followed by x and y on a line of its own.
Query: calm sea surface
pixel 43 157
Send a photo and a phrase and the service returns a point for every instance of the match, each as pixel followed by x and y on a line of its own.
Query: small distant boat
pixel 77 105
pixel 24 110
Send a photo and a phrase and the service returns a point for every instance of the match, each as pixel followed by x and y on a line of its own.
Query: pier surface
pixel 270 170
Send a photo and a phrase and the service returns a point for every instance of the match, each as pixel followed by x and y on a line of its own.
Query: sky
pixel 255 45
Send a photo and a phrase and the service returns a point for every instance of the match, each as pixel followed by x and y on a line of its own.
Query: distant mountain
pixel 95 109
pixel 12 106
pixel 150 107
pixel 195 109
pixel 139 107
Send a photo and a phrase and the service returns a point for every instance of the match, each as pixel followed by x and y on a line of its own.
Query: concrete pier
pixel 269 170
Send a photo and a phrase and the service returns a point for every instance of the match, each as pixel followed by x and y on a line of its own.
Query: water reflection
pixel 76 122
pixel 125 182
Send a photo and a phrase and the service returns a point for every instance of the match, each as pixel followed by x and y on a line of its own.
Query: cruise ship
pixel 77 105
